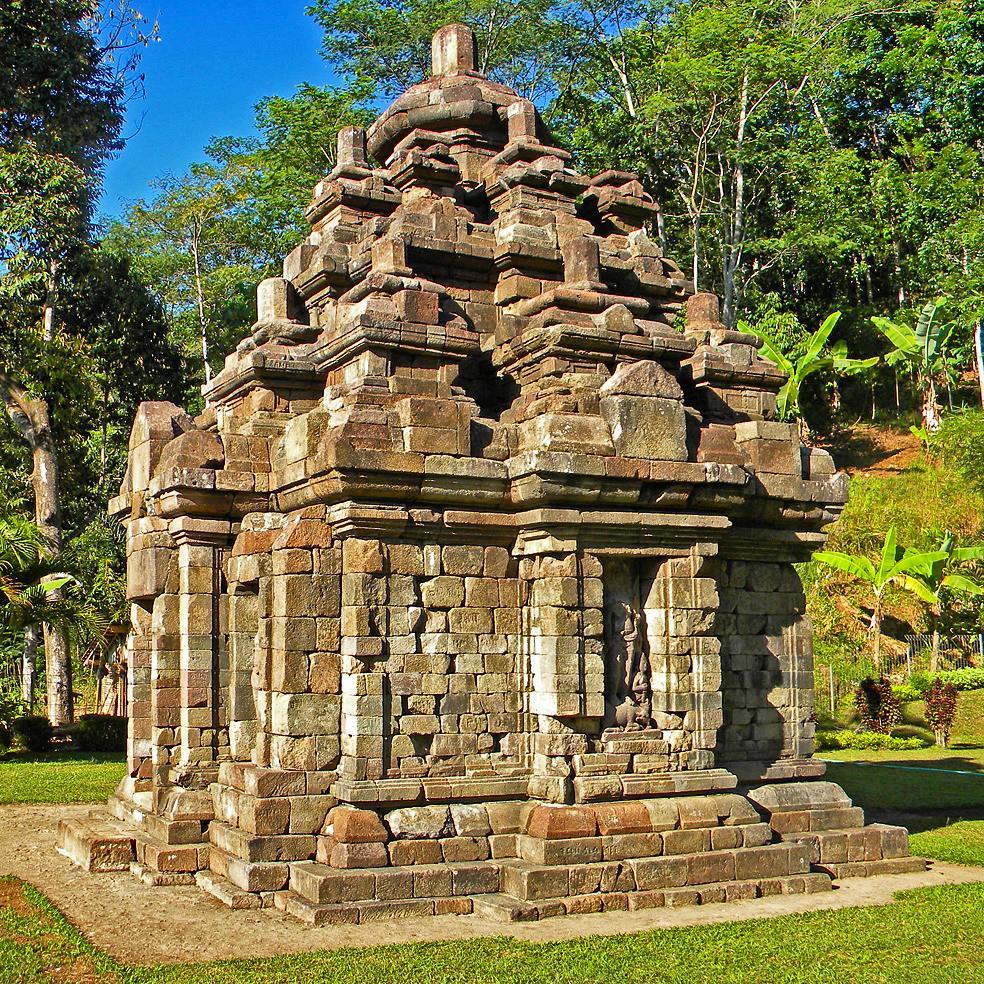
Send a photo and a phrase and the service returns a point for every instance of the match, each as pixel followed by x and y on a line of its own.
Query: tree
pixel 814 359
pixel 207 237
pixel 937 580
pixel 384 46
pixel 193 238
pixel 61 94
pixel 126 356
pixel 894 568
pixel 32 594
pixel 921 346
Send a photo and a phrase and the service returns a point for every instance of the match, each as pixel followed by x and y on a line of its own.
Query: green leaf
pixel 774 355
pixel 53 584
pixel 888 556
pixel 901 336
pixel 916 562
pixel 819 339
pixel 960 555
pixel 917 587
pixel 859 567
pixel 851 367
pixel 963 584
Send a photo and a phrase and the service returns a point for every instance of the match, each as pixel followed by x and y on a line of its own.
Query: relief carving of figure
pixel 628 703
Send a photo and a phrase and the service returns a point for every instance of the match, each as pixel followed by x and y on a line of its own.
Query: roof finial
pixel 453 50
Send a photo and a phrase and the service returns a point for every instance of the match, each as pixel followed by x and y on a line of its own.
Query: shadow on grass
pixel 949 786
pixel 917 823
pixel 955 763
pixel 60 754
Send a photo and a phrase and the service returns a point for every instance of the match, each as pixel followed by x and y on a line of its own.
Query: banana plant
pixel 893 568
pixel 816 358
pixel 925 438
pixel 933 581
pixel 923 347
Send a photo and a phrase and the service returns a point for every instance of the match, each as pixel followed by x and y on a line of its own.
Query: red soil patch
pixel 873 450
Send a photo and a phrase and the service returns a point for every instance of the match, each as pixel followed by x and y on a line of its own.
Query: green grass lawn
pixel 905 785
pixel 59 777
pixel 929 935
pixel 932 935
pixel 959 843
pixel 967 758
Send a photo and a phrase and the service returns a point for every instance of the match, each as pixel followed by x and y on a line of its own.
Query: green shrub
pixel 865 741
pixel 921 681
pixel 941 709
pixel 905 693
pixel 969 678
pixel 33 732
pixel 960 441
pixel 10 707
pixel 101 733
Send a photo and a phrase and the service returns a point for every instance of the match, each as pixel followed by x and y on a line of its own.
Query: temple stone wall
pixel 767 659
pixel 472 587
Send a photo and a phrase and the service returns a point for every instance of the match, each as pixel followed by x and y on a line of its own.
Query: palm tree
pixel 937 579
pixel 895 567
pixel 813 360
pixel 32 580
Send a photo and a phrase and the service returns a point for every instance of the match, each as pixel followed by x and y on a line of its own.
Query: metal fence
pixel 956 652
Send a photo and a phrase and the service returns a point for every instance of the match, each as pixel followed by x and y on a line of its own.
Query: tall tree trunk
pixel 695 227
pixel 47 509
pixel 876 617
pixel 29 668
pixel 736 227
pixel 200 296
pixel 32 420
pixel 930 407
pixel 979 354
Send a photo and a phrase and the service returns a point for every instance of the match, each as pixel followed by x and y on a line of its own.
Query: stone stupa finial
pixel 453 50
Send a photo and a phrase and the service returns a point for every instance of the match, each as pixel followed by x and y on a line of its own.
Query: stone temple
pixel 472 588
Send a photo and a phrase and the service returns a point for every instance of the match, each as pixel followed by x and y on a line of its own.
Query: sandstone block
pixel 371 855
pixel 352 826
pixel 414 852
pixel 470 820
pixel 561 822
pixel 420 823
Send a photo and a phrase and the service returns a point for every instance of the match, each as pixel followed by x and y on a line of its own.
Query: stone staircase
pixel 572 859
pixel 160 837
pixel 822 817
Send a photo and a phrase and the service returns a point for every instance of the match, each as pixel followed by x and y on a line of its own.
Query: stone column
pixel 562 637
pixel 243 618
pixel 686 659
pixel 202 738
pixel 138 692
pixel 365 712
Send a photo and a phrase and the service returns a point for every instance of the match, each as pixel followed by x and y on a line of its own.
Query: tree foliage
pixel 66 69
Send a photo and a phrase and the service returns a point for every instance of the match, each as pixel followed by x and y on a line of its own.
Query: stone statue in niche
pixel 628 704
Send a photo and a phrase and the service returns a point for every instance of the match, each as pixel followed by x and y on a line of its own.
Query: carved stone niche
pixel 628 671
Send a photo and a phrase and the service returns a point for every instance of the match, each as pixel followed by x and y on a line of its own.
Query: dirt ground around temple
pixel 142 925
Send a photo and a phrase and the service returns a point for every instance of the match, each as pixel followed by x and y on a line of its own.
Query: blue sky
pixel 216 60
